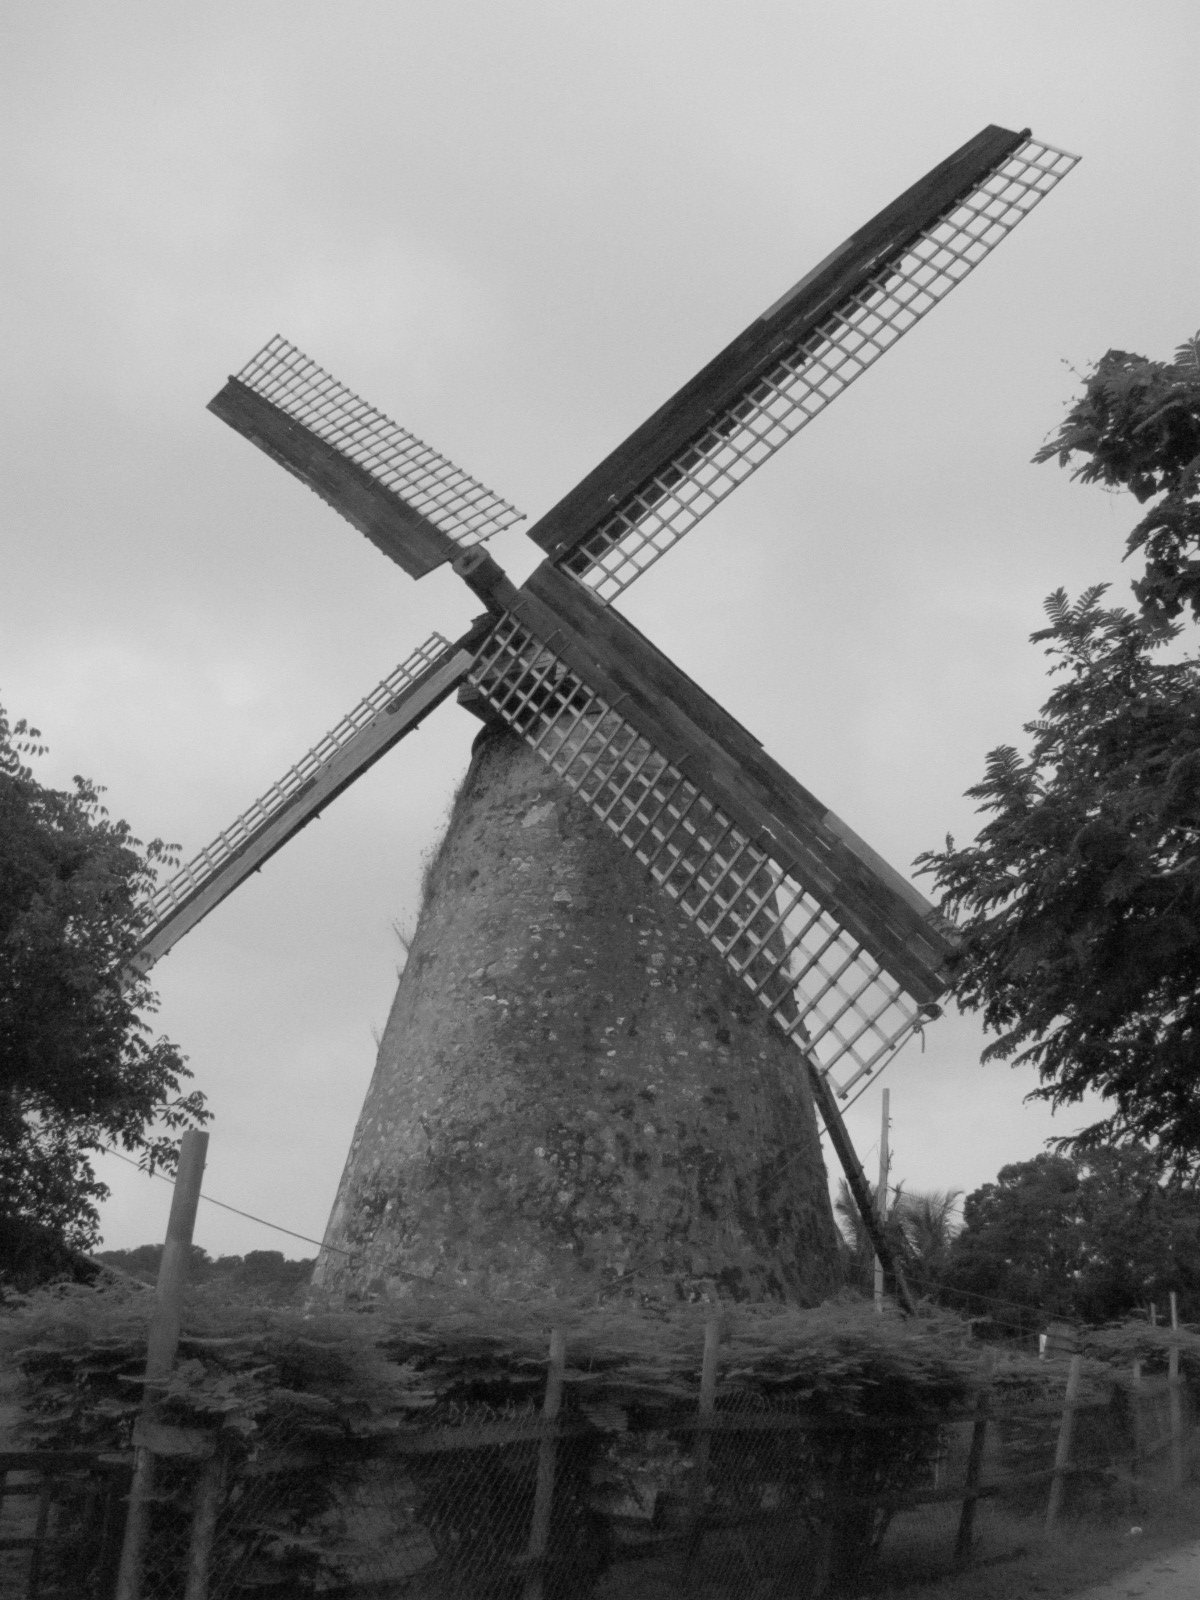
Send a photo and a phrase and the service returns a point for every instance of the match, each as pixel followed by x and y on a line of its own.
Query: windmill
pixel 829 944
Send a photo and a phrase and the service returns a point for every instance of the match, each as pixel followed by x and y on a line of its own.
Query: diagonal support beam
pixel 860 1188
pixel 397 706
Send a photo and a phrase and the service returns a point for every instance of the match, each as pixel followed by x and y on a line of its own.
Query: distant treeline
pixel 260 1271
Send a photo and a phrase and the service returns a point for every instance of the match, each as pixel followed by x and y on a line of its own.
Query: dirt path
pixel 1172 1576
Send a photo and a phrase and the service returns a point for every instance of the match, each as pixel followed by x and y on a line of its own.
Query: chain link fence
pixel 750 1493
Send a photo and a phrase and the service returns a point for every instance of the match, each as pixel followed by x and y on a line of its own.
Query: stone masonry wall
pixel 573 1096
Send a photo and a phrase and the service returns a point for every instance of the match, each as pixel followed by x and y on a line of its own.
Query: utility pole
pixel 161 1344
pixel 881 1193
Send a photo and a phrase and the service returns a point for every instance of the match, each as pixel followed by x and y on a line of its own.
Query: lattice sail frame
pixel 464 509
pixel 830 996
pixel 807 377
pixel 201 869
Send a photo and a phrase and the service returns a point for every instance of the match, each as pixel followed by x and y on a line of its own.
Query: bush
pixel 310 1407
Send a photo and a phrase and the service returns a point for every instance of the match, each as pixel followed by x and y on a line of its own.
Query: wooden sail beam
pixel 883 913
pixel 762 389
pixel 392 710
pixel 411 502
pixel 801 926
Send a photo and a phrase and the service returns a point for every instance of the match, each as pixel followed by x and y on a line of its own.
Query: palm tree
pixel 922 1226
pixel 929 1225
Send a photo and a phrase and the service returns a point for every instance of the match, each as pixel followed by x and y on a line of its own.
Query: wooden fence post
pixel 1137 1398
pixel 1062 1452
pixel 161 1345
pixel 701 1447
pixel 882 1191
pixel 543 1498
pixel 204 1526
pixel 966 1522
pixel 1175 1400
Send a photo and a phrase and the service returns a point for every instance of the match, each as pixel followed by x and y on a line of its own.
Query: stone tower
pixel 573 1096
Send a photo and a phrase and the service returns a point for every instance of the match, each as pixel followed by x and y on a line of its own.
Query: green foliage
pixel 1137 426
pixel 1079 901
pixel 1092 1238
pixel 81 1349
pixel 307 1406
pixel 78 1067
pixel 1080 898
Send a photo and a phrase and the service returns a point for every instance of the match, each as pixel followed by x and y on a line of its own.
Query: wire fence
pixel 743 1493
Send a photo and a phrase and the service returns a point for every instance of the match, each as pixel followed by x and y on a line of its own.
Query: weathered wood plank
pixel 783 325
pixel 389 522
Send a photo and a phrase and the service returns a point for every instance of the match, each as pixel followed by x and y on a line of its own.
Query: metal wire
pixel 807 377
pixel 829 995
pixel 462 507
pixel 773 1496
pixel 204 866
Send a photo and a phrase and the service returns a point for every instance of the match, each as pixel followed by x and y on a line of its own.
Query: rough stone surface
pixel 572 1095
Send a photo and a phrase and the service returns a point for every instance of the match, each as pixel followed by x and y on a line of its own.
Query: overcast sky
pixel 519 227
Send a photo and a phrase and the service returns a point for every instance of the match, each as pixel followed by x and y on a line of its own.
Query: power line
pixel 250 1217
pixel 415 1277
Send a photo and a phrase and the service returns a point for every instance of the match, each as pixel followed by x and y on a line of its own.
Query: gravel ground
pixel 1173 1576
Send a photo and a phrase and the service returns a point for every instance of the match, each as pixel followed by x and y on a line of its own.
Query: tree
pixel 78 1068
pixel 1093 1237
pixel 258 1275
pixel 857 1251
pixel 1080 898
pixel 919 1225
pixel 1137 426
pixel 930 1228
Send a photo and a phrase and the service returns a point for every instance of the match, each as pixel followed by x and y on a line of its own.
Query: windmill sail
pixel 414 504
pixel 392 709
pixel 846 956
pixel 800 354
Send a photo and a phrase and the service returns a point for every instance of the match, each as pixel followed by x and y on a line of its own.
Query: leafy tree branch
pixel 1079 900
pixel 79 1067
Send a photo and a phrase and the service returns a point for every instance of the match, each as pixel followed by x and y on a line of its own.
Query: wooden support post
pixel 1175 1400
pixel 161 1345
pixel 966 1522
pixel 1062 1452
pixel 702 1445
pixel 204 1526
pixel 857 1179
pixel 881 1193
pixel 1136 1401
pixel 37 1554
pixel 543 1498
